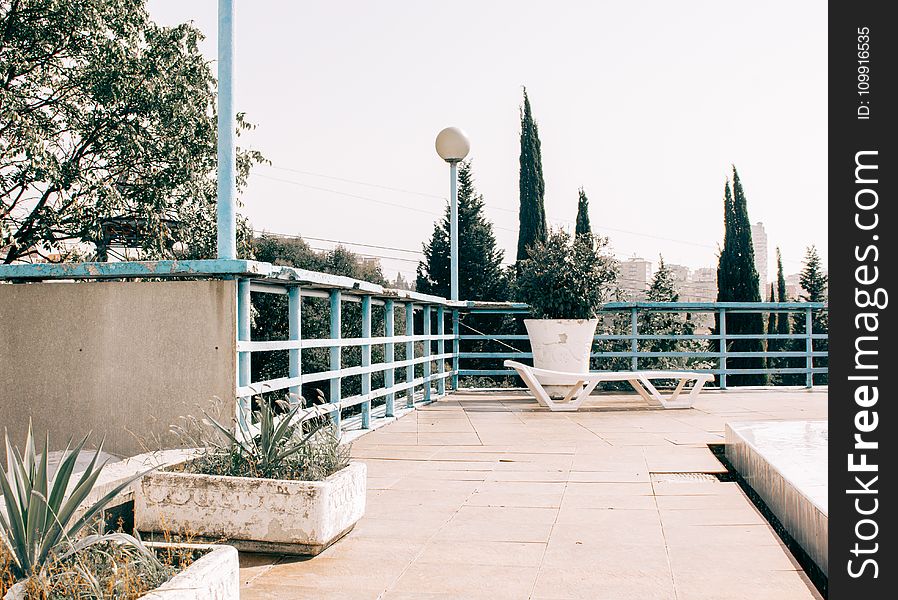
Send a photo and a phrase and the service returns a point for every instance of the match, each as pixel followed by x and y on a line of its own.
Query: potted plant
pixel 284 484
pixel 46 551
pixel 565 281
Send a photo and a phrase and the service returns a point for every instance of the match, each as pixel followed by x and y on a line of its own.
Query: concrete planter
pixel 214 576
pixel 254 515
pixel 561 345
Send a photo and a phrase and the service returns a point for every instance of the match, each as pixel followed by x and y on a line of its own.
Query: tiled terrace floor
pixel 480 495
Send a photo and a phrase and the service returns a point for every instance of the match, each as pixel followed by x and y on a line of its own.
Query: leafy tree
pixel 480 273
pixel 737 281
pixel 107 131
pixel 663 289
pixel 532 187
pixel 583 226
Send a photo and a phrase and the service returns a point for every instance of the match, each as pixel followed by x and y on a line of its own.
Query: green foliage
pixel 40 511
pixel 663 289
pixel 532 187
pixel 737 281
pixel 107 131
pixel 270 314
pixel 279 446
pixel 566 277
pixel 480 274
pixel 812 279
pixel 583 226
pixel 814 282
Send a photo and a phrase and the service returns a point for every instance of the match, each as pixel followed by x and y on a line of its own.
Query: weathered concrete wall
pixel 120 359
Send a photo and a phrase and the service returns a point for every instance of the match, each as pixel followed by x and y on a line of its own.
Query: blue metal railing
pixel 338 291
pixel 514 344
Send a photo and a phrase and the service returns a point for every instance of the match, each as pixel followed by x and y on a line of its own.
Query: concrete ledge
pixel 785 463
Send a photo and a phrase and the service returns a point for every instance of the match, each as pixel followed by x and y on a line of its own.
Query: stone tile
pixel 593 582
pixel 713 516
pixel 476 581
pixel 773 585
pixel 513 554
pixel 720 535
pixel 501 498
pixel 631 476
pixel 617 502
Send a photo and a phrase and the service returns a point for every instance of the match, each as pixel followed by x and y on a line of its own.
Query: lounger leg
pixel 637 385
pixel 584 394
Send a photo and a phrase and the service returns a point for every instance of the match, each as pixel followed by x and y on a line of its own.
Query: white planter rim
pixel 221 560
pixel 306 482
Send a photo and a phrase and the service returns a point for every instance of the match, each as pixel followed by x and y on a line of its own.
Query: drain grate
pixel 684 478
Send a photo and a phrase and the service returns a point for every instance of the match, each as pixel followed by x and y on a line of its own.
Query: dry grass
pixel 6 578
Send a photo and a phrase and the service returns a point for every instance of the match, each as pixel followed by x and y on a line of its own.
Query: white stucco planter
pixel 560 345
pixel 214 576
pixel 255 515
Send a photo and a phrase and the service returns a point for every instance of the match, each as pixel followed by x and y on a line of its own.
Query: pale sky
pixel 644 104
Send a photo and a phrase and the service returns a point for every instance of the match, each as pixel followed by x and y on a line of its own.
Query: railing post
pixel 809 347
pixel 722 362
pixel 455 349
pixel 336 351
pixel 427 365
pixel 634 341
pixel 366 361
pixel 441 349
pixel 410 353
pixel 294 301
pixel 244 372
pixel 389 357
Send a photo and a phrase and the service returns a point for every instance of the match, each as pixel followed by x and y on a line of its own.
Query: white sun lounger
pixel 587 382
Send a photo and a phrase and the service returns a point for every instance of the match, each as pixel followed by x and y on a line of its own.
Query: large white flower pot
pixel 254 515
pixel 561 345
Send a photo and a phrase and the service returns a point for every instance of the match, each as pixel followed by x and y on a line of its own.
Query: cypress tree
pixel 737 281
pixel 532 212
pixel 783 322
pixel 583 226
pixel 480 275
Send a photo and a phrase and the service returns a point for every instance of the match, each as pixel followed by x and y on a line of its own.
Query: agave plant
pixel 40 511
pixel 274 440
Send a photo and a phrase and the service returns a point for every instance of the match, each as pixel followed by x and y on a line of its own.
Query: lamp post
pixel 453 146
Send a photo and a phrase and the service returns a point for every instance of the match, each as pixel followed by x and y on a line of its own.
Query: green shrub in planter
pixel 567 277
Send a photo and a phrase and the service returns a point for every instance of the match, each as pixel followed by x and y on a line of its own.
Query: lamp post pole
pixel 227 126
pixel 453 229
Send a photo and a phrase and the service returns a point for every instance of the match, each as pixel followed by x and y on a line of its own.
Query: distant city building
pixel 759 241
pixel 401 284
pixel 634 277
pixel 701 286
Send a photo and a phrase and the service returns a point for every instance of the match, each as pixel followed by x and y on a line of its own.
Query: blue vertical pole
pixel 427 353
pixel 634 342
pixel 335 351
pixel 410 353
pixel 809 347
pixel 722 318
pixel 389 357
pixel 453 228
pixel 366 361
pixel 227 130
pixel 441 349
pixel 455 349
pixel 244 373
pixel 294 309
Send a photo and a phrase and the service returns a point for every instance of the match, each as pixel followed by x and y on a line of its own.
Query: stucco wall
pixel 120 359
